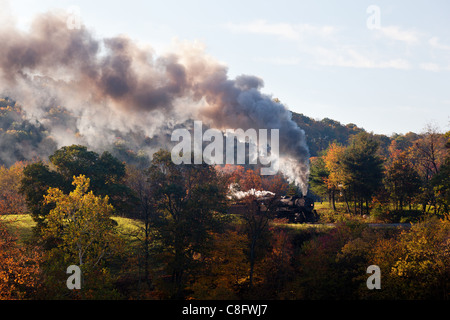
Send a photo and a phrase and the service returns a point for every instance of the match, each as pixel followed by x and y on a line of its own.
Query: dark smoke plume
pixel 114 85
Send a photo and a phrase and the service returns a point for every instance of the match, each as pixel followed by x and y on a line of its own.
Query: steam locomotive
pixel 297 209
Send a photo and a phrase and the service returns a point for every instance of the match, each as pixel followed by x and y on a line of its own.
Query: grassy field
pixel 19 225
pixel 22 226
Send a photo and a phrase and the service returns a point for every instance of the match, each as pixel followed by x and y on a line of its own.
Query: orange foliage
pixel 332 163
pixel 11 201
pixel 19 268
pixel 251 179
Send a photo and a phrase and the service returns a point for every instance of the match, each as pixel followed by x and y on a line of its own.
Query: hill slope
pixel 23 139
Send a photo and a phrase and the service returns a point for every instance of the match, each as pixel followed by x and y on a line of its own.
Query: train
pixel 297 209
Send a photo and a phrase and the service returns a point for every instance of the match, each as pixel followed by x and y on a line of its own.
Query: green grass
pixel 303 227
pixel 129 229
pixel 20 225
pixel 328 215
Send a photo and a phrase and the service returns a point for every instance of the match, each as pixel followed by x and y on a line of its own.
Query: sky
pixel 382 65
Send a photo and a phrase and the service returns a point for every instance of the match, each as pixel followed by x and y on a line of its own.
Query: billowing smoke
pixel 114 85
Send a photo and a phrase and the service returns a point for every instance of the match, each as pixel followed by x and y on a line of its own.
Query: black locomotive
pixel 297 209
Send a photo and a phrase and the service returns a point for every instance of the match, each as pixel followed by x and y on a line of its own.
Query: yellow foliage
pixel 83 223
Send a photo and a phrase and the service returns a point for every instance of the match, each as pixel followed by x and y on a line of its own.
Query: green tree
pixel 37 178
pixel 318 177
pixel 105 171
pixel 363 169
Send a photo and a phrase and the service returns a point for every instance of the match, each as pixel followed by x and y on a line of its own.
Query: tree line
pixel 410 176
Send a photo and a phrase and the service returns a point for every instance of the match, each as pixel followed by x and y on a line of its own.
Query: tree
pixel 416 263
pixel 336 177
pixel 37 178
pixel 257 216
pixel 363 169
pixel 145 207
pixel 105 172
pixel 11 201
pixel 251 180
pixel 277 267
pixel 318 178
pixel 441 187
pixel 82 226
pixel 428 153
pixel 441 183
pixel 225 271
pixel 190 201
pixel 402 180
pixel 277 184
pixel 19 268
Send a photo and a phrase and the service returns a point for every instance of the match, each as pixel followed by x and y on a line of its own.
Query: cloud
pixel 435 43
pixel 281 61
pixel 283 30
pixel 348 56
pixel 429 66
pixel 410 37
pixel 325 46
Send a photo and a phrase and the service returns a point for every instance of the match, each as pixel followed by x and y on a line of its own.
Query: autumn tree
pixel 105 172
pixel 257 216
pixel 415 264
pixel 19 268
pixel 402 180
pixel 11 201
pixel 83 231
pixel 336 177
pixel 428 154
pixel 225 270
pixel 144 207
pixel 277 184
pixel 251 180
pixel 277 266
pixel 441 184
pixel 189 202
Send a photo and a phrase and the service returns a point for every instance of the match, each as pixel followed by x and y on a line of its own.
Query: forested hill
pixel 24 139
pixel 321 133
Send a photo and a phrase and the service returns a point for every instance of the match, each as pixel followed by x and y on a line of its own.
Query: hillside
pixel 320 133
pixel 25 139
